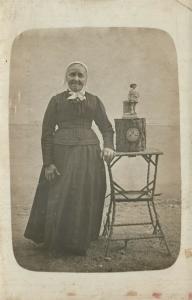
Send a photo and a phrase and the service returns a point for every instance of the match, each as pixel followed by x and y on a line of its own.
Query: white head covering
pixel 75 63
pixel 73 95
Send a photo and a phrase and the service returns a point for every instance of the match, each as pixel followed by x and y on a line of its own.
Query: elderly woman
pixel 67 210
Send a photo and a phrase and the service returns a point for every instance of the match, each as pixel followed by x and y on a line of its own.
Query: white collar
pixel 79 96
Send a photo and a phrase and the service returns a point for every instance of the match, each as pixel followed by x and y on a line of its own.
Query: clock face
pixel 133 134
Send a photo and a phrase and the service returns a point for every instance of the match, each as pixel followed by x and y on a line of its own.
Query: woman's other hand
pixel 50 172
pixel 108 154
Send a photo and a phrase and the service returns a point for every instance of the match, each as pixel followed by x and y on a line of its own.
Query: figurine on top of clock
pixel 130 104
pixel 133 97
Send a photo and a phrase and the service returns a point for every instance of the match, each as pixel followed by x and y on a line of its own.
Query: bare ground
pixel 140 254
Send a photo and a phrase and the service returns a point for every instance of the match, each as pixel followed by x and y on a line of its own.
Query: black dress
pixel 67 212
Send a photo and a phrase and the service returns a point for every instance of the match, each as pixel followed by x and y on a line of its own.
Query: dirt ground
pixel 140 254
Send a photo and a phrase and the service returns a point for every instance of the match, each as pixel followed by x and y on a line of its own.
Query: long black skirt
pixel 67 212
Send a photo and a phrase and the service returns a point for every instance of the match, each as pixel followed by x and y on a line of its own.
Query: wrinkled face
pixel 76 77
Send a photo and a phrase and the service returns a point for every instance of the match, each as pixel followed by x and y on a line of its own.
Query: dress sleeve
pixel 48 130
pixel 104 125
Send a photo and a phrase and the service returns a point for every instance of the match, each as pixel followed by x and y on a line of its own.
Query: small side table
pixel 146 194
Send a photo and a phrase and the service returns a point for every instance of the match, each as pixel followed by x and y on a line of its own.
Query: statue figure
pixel 130 104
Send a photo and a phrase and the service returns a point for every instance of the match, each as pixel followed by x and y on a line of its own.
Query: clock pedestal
pixel 130 134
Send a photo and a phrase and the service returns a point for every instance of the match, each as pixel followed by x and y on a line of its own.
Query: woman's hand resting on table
pixel 50 172
pixel 108 154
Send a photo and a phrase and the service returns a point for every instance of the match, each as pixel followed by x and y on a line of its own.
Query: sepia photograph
pixel 94 131
pixel 95 135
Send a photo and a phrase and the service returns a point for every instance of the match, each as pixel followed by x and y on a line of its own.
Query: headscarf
pixel 76 95
pixel 76 63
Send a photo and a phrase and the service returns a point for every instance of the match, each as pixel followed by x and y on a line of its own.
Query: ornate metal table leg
pixel 148 189
pixel 112 202
pixel 158 225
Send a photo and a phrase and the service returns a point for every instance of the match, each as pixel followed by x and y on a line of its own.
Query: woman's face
pixel 76 77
